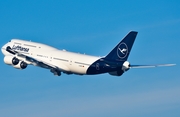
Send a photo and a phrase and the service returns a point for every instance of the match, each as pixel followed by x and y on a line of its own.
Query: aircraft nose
pixel 3 49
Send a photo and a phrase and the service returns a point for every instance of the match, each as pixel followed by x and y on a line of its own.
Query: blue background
pixel 93 27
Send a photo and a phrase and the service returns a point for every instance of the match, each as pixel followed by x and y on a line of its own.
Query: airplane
pixel 20 53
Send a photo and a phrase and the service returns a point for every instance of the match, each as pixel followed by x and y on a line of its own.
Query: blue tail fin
pixel 122 50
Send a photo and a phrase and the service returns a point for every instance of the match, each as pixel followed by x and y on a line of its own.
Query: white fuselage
pixel 68 61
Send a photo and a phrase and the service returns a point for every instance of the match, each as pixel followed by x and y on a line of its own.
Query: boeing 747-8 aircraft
pixel 21 53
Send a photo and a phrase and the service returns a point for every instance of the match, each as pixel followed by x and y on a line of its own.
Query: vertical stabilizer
pixel 122 50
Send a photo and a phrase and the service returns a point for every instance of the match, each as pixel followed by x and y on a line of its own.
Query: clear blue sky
pixel 93 27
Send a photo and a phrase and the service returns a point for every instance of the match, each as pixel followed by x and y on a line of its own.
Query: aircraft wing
pixel 35 61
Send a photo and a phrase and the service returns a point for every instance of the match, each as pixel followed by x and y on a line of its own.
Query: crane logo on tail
pixel 122 50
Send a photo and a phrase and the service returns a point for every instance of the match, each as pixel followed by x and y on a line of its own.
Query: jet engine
pixel 10 60
pixel 21 65
pixel 15 62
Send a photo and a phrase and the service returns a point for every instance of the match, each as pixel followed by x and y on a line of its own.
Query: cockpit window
pixel 10 41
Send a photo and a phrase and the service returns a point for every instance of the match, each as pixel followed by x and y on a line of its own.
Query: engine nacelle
pixel 126 66
pixel 21 65
pixel 10 60
pixel 15 62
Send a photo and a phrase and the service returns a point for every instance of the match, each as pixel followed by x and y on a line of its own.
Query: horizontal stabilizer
pixel 149 66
